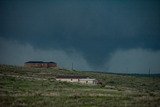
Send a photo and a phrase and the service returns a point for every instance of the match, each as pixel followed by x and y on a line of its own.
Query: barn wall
pixel 83 81
pixel 52 65
pixel 87 81
pixel 40 65
pixel 67 79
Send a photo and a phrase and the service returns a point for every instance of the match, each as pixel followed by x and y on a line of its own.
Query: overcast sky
pixel 102 35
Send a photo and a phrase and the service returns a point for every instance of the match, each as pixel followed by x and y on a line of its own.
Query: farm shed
pixel 77 79
pixel 40 64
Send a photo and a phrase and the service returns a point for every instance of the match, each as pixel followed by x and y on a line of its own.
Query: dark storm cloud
pixel 14 53
pixel 96 29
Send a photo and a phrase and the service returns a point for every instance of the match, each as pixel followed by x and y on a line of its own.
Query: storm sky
pixel 98 35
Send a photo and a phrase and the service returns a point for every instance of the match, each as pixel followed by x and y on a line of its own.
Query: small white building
pixel 77 79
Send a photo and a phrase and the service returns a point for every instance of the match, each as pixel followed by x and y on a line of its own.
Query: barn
pixel 77 79
pixel 40 64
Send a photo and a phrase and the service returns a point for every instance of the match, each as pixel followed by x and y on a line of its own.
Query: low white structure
pixel 77 79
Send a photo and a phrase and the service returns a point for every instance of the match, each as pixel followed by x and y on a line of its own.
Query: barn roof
pixel 51 62
pixel 39 62
pixel 71 76
pixel 35 62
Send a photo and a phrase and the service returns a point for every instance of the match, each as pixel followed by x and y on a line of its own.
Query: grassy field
pixel 30 87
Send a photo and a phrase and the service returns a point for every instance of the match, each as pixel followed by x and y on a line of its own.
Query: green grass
pixel 43 90
pixel 78 101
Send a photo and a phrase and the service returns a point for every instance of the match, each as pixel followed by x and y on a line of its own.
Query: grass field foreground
pixel 30 87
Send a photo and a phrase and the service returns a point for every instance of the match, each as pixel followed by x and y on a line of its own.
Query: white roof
pixel 87 79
